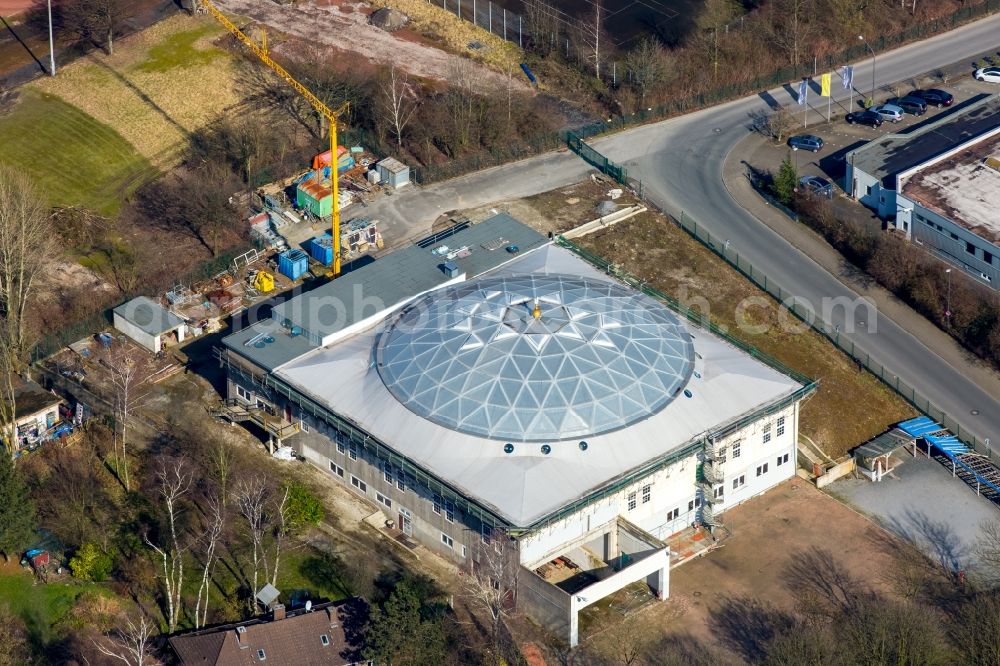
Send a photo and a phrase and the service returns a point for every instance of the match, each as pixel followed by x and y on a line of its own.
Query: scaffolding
pixel 975 469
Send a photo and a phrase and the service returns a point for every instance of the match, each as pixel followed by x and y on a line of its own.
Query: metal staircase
pixel 709 476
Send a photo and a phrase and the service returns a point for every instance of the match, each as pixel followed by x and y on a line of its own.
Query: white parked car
pixel 988 74
pixel 889 112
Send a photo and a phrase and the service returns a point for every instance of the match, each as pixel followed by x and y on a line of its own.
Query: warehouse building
pixel 939 185
pixel 491 379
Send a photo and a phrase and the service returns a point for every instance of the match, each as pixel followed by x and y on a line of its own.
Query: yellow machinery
pixel 260 50
pixel 263 282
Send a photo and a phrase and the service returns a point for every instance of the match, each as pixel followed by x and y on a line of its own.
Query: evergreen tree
pixel 786 181
pixel 17 511
pixel 403 632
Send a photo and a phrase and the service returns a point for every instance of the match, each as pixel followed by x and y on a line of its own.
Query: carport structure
pixel 873 457
pixel 973 468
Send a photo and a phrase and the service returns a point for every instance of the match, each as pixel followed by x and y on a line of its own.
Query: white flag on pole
pixel 803 92
pixel 848 76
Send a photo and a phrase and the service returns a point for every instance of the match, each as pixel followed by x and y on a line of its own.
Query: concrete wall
pixel 150 342
pixel 937 232
pixel 545 603
pixel 837 471
pixel 868 190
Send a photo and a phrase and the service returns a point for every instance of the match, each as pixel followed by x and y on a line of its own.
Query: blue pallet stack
pixel 293 264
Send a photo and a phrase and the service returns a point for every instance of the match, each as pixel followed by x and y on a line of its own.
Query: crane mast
pixel 260 50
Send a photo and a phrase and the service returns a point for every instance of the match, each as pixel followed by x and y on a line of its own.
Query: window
pixel 782 460
pixel 694 504
pixel 437 504
pixel 781 426
pixel 243 393
pixel 447 540
pixel 739 481
pixel 359 484
pixel 736 450
pixel 631 501
pixel 954 236
pixel 341 449
pixel 449 511
pixel 761 469
pixel 387 472
pixel 382 499
pixel 767 433
pixel 719 491
pixel 325 640
pixel 400 479
pixel 673 514
pixel 352 452
pixel 970 248
pixel 464 551
pixel 336 469
pixel 261 655
pixel 868 190
pixel 647 492
pixel 988 257
pixel 722 455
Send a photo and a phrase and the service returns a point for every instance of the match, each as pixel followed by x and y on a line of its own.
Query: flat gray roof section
pixel 251 343
pixel 885 443
pixel 148 315
pixel 894 153
pixel 397 277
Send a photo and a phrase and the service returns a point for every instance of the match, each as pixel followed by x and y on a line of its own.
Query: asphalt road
pixel 680 162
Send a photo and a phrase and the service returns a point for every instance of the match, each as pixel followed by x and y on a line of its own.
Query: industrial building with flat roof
pixel 940 185
pixel 491 379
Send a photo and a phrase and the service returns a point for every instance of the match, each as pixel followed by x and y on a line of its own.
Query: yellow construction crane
pixel 260 50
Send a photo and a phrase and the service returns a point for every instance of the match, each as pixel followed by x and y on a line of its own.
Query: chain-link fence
pixel 861 356
pixel 489 16
pixel 594 158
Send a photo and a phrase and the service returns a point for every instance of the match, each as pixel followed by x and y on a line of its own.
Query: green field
pixel 40 606
pixel 178 50
pixel 74 159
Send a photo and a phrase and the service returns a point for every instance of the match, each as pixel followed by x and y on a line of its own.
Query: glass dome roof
pixel 535 358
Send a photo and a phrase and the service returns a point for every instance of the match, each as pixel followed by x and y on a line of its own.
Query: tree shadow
pixel 325 572
pixel 145 98
pixel 746 625
pixel 937 539
pixel 815 572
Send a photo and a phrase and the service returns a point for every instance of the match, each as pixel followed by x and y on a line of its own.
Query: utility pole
pixel 862 38
pixel 52 48
pixel 947 311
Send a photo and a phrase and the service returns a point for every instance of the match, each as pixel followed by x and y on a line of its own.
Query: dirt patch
pixel 72 276
pixel 344 27
pixel 784 544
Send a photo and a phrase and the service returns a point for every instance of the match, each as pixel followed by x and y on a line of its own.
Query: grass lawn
pixel 75 159
pixel 40 606
pixel 181 49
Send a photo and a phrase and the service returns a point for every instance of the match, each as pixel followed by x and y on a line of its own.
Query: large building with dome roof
pixel 488 379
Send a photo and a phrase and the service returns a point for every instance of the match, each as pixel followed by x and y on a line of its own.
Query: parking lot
pixel 840 137
pixel 922 503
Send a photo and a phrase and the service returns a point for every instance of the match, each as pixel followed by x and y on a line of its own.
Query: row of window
pixel 970 248
pixel 647 495
pixel 739 481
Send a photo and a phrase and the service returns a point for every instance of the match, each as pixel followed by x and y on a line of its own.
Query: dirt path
pixel 344 27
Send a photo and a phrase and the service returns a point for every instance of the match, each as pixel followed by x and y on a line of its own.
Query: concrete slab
pixel 941 515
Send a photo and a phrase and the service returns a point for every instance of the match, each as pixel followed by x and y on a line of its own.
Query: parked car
pixel 816 185
pixel 806 142
pixel 988 74
pixel 864 118
pixel 889 112
pixel 912 105
pixel 933 97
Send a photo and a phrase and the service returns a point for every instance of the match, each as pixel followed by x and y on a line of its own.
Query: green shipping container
pixel 315 198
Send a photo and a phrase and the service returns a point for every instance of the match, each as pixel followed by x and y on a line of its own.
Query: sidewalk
pixel 816 248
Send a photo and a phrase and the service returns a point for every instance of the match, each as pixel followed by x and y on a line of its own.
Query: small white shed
pixel 149 323
pixel 393 172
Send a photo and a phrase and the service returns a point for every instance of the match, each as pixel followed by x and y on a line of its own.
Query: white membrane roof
pixel 535 357
pixel 527 481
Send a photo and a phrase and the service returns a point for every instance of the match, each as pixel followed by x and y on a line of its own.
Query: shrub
pixel 90 563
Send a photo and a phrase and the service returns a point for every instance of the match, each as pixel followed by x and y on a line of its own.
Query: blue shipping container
pixel 321 249
pixel 293 264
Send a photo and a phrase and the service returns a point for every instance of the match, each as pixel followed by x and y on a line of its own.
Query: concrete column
pixel 611 544
pixel 659 580
pixel 574 626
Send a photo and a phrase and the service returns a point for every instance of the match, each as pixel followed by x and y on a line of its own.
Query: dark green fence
pixel 591 156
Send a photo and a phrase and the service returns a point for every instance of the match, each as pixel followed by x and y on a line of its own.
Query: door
pixel 288 412
pixel 405 522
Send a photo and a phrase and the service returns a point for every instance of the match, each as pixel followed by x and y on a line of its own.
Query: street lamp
pixel 862 38
pixel 52 49
pixel 947 311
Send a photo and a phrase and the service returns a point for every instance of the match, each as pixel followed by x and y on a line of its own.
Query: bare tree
pixel 128 373
pixel 25 247
pixel 95 20
pixel 776 124
pixel 283 528
pixel 492 584
pixel 131 644
pixel 647 68
pixel 988 551
pixel 544 24
pixel 714 16
pixel 396 101
pixel 251 498
pixel 216 521
pixel 174 483
pixel 221 468
pixel 591 35
pixel 789 27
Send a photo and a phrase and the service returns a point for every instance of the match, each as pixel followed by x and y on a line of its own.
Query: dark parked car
pixel 806 142
pixel 934 97
pixel 864 118
pixel 816 185
pixel 912 105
